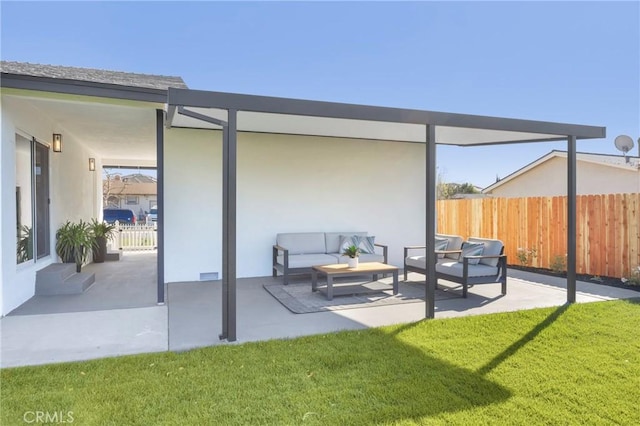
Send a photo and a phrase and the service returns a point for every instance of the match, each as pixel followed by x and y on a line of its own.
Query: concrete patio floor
pixel 41 331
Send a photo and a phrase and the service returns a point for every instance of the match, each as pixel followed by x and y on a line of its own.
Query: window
pixel 32 199
pixel 131 200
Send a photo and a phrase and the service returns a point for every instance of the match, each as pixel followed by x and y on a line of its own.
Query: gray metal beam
pixel 183 111
pixel 571 219
pixel 430 224
pixel 229 171
pixel 267 104
pixel 160 201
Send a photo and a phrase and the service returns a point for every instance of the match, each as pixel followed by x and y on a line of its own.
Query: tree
pixel 447 190
pixel 112 186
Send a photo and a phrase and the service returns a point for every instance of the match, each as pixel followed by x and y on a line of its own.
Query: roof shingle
pixel 93 75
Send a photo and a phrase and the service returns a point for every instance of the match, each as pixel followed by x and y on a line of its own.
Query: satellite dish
pixel 624 143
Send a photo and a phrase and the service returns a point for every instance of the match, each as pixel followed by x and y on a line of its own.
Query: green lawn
pixel 570 365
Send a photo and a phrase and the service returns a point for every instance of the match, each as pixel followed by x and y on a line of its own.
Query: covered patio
pixel 230 114
pixel 31 337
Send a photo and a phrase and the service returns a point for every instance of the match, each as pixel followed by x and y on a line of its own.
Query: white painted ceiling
pixel 121 132
pixel 347 128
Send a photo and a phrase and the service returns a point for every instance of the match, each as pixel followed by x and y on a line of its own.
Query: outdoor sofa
pixel 475 261
pixel 296 253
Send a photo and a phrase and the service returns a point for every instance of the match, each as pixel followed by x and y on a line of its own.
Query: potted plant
pixel 101 232
pixel 73 242
pixel 352 252
pixel 25 243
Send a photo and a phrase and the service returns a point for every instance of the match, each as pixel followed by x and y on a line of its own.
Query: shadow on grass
pixel 367 377
pixel 513 348
pixel 355 378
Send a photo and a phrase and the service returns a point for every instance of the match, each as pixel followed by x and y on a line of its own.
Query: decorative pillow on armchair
pixel 471 249
pixel 441 244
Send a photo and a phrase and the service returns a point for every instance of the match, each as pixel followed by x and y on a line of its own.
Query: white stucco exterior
pixel 286 184
pixel 72 185
pixel 549 178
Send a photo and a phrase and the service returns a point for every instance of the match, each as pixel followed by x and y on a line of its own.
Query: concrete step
pixel 56 272
pixel 52 284
pixel 112 256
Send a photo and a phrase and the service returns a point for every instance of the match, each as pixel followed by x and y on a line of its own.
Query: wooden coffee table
pixel 343 270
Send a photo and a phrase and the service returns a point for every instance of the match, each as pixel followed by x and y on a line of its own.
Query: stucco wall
pixel 72 192
pixel 550 179
pixel 287 184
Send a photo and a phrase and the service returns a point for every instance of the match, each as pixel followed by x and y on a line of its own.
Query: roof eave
pixel 84 88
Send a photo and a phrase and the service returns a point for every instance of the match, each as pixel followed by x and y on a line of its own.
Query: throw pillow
pixel 471 249
pixel 347 241
pixel 366 245
pixel 441 244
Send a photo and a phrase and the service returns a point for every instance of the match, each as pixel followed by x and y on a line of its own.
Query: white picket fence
pixel 134 237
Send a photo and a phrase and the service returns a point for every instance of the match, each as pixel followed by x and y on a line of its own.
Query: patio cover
pixel 236 112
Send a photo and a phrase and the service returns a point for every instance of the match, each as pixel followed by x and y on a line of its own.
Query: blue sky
pixel 574 62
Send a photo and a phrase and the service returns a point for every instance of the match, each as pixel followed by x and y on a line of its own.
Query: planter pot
pixel 353 262
pixel 100 252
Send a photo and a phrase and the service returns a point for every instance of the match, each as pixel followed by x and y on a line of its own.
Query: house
pixel 547 176
pixel 137 192
pixel 257 166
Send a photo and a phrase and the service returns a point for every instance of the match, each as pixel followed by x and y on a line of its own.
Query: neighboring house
pixel 136 192
pixel 233 169
pixel 547 176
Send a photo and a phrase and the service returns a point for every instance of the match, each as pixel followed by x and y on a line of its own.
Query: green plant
pixel 25 243
pixel 525 256
pixel 74 241
pixel 558 263
pixel 633 278
pixel 102 229
pixel 101 232
pixel 352 251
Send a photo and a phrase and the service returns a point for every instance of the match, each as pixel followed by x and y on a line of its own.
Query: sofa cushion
pixel 308 260
pixel 332 240
pixel 302 242
pixel 455 243
pixel 471 249
pixel 491 248
pixel 456 269
pixel 416 261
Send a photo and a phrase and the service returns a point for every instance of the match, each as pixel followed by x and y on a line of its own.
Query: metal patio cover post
pixel 531 131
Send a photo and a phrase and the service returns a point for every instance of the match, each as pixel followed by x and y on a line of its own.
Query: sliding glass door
pixel 32 199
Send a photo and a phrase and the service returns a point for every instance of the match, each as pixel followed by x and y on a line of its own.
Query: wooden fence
pixel 608 228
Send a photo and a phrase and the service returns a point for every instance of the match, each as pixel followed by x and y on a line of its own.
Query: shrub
pixel 525 256
pixel 558 263
pixel 633 278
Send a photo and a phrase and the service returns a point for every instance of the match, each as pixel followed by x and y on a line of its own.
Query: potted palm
pixel 352 252
pixel 25 243
pixel 101 231
pixel 73 243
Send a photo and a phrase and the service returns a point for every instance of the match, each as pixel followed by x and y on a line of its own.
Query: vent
pixel 208 276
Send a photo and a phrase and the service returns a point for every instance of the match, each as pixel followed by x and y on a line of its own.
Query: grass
pixel 577 364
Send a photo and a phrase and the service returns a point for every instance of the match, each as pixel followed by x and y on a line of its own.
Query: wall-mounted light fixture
pixel 92 164
pixel 57 142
